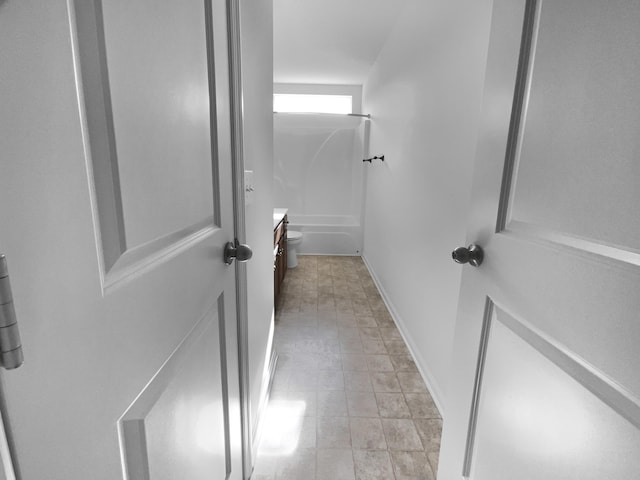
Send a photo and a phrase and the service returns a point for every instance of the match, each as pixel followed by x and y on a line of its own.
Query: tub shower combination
pixel 319 177
pixel 328 234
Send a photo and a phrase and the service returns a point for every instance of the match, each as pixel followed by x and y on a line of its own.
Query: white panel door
pixel 544 383
pixel 116 203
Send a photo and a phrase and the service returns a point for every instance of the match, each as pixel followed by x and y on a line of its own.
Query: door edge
pixel 237 161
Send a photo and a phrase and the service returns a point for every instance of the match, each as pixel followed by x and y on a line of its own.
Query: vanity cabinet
pixel 280 258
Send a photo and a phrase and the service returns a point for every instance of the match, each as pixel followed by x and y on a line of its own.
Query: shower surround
pixel 319 177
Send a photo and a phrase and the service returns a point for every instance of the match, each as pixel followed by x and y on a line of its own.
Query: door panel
pixel 150 95
pixel 179 423
pixel 547 383
pixel 532 405
pixel 117 201
pixel 585 68
pixel 159 91
pixel 572 182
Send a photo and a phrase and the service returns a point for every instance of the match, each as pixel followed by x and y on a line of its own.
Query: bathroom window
pixel 312 103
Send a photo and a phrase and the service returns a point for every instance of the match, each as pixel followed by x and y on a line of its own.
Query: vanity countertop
pixel 278 216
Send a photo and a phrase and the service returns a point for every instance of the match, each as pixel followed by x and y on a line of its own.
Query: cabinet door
pixel 284 244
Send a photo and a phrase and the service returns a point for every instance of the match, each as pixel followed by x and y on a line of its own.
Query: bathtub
pixel 328 234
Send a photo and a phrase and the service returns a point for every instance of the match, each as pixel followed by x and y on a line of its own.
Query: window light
pixel 302 103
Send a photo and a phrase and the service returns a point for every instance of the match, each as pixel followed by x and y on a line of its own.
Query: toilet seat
pixel 293 235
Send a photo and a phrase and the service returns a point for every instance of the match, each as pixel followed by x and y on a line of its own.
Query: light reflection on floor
pixel 282 427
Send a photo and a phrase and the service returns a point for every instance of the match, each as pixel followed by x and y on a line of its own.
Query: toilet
pixel 294 239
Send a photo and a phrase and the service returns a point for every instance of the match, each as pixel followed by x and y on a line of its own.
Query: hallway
pixel 347 400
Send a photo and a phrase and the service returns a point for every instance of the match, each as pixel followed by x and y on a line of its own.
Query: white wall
pixel 424 95
pixel 257 77
pixel 329 41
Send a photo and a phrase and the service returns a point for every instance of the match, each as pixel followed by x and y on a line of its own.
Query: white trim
pixel 270 372
pixel 237 156
pixel 6 461
pixel 425 372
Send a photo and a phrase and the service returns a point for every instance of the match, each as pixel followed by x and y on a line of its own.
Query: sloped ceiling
pixel 330 41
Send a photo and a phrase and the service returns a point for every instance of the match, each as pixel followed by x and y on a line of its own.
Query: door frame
pixel 237 162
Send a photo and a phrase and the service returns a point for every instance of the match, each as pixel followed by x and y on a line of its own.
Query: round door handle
pixel 237 251
pixel 473 255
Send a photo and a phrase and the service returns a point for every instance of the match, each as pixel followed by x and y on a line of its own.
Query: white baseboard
pixel 425 372
pixel 264 402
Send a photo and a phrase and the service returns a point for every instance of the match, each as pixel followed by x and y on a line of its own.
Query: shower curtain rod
pixel 365 115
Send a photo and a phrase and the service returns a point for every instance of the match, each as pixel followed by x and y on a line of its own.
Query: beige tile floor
pixel 347 399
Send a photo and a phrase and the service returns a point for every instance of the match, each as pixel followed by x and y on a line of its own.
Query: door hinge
pixel 10 346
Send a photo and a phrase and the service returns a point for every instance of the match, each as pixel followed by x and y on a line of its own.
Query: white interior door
pixel 116 203
pixel 545 380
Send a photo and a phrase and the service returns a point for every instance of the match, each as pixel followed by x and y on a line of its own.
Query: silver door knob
pixel 237 251
pixel 473 255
